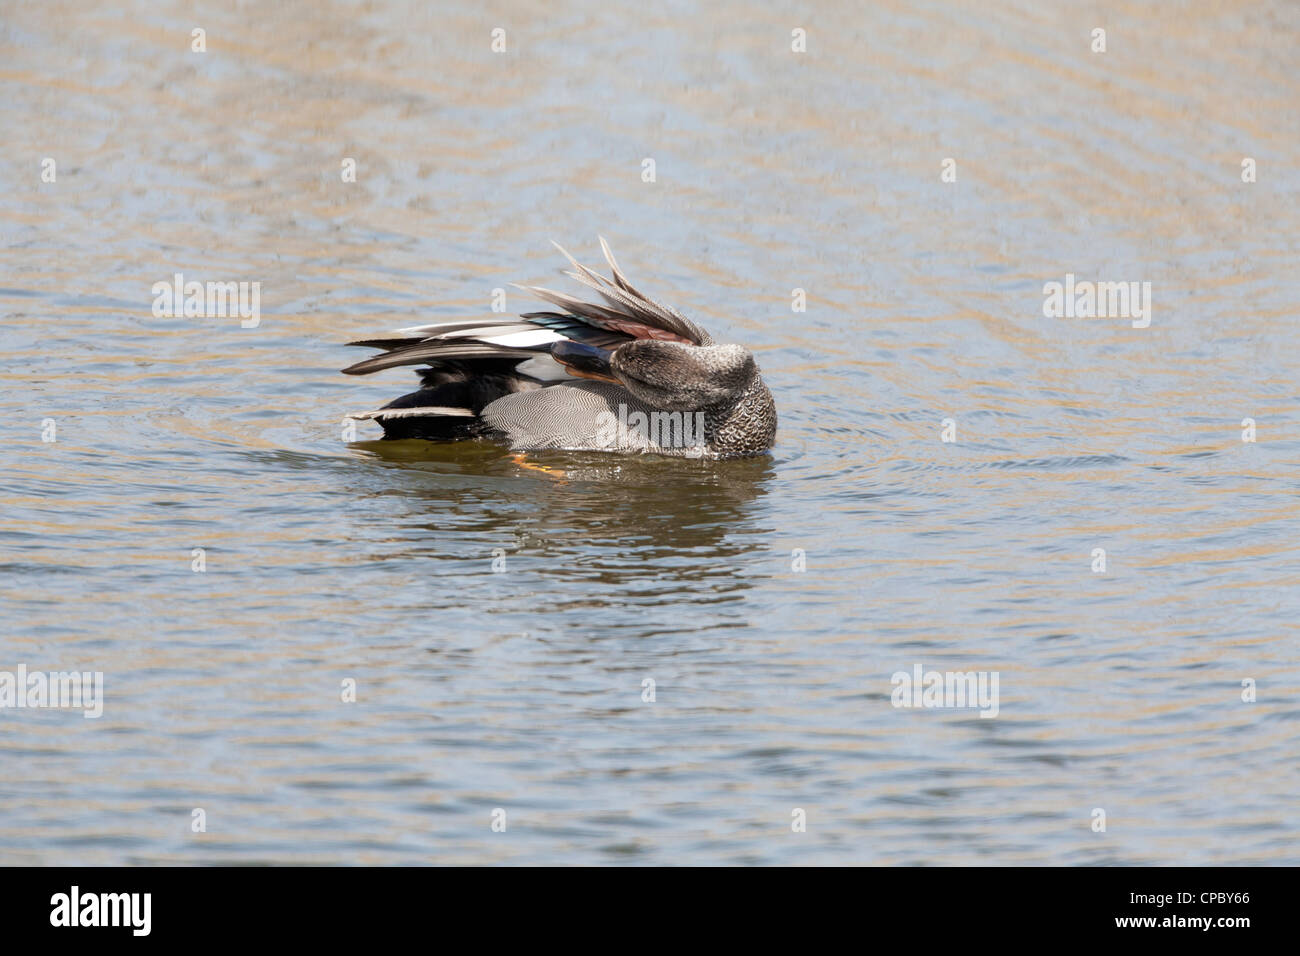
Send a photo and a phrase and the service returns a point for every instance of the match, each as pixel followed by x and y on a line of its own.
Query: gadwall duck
pixel 628 375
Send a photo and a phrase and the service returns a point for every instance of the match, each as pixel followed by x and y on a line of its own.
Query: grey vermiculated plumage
pixel 664 386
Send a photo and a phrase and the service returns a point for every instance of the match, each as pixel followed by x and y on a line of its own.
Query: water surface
pixel 329 560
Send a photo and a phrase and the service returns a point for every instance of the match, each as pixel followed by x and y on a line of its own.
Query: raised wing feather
pixel 624 315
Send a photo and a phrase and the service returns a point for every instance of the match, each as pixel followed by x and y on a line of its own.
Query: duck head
pixel 678 376
pixel 675 376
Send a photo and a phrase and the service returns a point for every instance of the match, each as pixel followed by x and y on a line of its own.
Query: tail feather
pixel 448 404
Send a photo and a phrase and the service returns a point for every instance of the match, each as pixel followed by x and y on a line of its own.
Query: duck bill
pixel 585 361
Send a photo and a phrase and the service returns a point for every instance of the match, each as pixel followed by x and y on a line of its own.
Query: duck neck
pixel 747 426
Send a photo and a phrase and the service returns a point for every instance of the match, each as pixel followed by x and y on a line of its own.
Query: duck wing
pixel 624 314
pixel 626 309
pixel 460 340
